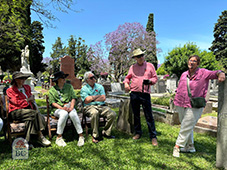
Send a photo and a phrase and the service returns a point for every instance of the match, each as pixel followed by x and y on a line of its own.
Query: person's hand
pixel 221 77
pixel 65 108
pixel 31 98
pixel 127 87
pixel 70 109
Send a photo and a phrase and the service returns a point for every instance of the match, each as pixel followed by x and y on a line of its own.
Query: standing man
pixel 142 75
pixel 93 97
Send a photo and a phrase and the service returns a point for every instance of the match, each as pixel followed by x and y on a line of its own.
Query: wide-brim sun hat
pixel 58 75
pixel 137 52
pixel 18 75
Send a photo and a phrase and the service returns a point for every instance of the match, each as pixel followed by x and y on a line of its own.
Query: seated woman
pixel 62 99
pixel 21 108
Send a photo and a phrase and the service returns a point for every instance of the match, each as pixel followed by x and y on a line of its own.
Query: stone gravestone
pixel 171 83
pixel 209 105
pixel 116 88
pixel 125 121
pixel 20 149
pixel 67 66
pixel 221 152
pixel 39 83
pixel 161 87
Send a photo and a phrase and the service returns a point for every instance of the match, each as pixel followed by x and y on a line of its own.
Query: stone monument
pixel 67 66
pixel 221 153
pixel 25 67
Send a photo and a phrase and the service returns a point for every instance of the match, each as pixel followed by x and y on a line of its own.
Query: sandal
pixel 95 140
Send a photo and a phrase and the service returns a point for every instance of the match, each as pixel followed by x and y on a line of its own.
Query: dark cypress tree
pixel 37 48
pixel 151 55
pixel 219 44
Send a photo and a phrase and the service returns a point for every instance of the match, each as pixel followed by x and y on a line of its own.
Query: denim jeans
pixel 144 99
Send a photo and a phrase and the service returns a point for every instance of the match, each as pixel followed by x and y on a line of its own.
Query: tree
pixel 219 44
pixel 119 45
pixel 14 32
pixel 37 48
pixel 151 55
pixel 15 26
pixel 150 23
pixel 176 60
pixel 58 52
pixel 78 51
pixel 45 14
pixel 97 58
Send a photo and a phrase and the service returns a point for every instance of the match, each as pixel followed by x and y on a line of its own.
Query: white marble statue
pixel 25 66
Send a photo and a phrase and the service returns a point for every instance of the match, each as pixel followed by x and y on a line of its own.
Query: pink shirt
pixel 139 73
pixel 198 84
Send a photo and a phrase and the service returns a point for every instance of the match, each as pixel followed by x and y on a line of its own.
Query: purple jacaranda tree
pixel 97 56
pixel 119 45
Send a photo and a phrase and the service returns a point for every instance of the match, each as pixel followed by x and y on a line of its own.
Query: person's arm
pixel 127 80
pixel 58 106
pixel 154 77
pixel 73 102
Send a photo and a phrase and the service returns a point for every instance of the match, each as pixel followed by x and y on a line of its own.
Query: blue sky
pixel 176 22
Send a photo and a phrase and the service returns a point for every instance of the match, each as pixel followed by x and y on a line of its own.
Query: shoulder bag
pixel 196 102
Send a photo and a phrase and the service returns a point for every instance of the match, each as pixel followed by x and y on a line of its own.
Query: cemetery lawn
pixel 119 153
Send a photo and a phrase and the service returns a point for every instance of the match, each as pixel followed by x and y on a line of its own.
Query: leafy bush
pixel 161 100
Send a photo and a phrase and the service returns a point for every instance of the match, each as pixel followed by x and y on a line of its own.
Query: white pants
pixel 1 124
pixel 188 118
pixel 63 117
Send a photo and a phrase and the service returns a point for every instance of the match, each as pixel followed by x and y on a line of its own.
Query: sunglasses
pixel 138 56
pixel 93 77
pixel 22 78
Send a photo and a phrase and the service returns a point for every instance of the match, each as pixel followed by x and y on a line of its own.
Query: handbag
pixel 196 102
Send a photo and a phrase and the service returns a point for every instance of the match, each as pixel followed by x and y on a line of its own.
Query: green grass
pixel 120 153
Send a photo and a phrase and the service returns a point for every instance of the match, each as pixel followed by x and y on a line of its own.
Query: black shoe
pixel 108 137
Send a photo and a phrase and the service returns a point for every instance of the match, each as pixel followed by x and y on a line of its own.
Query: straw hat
pixel 18 75
pixel 137 52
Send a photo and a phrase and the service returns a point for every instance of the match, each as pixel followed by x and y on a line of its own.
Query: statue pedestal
pixel 29 80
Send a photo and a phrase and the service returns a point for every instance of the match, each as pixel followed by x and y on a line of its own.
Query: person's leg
pixel 93 113
pixel 34 123
pixel 27 116
pixel 77 124
pixel 190 119
pixel 135 103
pixel 110 115
pixel 62 119
pixel 76 121
pixel 146 103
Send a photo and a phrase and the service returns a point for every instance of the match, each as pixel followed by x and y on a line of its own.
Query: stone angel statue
pixel 25 59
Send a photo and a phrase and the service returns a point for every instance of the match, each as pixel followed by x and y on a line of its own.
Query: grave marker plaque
pixel 20 149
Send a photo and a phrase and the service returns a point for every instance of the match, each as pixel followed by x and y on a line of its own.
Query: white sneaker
pixel 188 149
pixel 60 142
pixel 43 141
pixel 176 152
pixel 80 141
